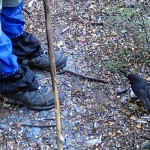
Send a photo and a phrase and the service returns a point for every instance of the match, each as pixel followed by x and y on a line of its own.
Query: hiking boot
pixel 40 99
pixel 42 61
pixel 29 52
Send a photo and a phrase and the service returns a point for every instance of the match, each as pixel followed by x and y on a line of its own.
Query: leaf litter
pixel 93 115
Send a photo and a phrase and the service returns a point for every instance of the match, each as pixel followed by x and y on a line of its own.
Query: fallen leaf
pixel 139 126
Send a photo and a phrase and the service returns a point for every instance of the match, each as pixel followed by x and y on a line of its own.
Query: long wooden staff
pixel 53 71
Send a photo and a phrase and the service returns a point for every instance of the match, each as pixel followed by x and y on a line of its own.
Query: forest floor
pixel 94 116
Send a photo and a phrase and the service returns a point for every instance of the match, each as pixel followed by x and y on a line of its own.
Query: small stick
pixel 83 76
pixel 39 126
pixel 7 139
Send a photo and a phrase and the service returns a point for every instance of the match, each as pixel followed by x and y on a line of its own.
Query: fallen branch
pixel 84 76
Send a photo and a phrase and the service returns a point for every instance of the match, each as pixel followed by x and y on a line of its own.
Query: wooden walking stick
pixel 53 71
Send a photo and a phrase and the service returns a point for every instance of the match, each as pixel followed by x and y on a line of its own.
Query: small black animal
pixel 140 88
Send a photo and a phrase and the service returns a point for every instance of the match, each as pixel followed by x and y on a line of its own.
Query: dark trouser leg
pixel 22 80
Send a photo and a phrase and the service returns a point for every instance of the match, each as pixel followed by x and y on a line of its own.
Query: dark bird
pixel 140 88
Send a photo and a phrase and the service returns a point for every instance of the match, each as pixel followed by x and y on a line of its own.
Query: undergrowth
pixel 132 26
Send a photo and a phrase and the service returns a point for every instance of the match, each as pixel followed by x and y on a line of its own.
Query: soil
pixel 93 115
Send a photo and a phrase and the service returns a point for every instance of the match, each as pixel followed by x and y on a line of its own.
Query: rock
pixel 86 16
pixel 1 132
pixel 94 141
pixel 35 131
pixel 121 91
pixel 130 3
pixel 124 31
pixel 124 98
pixel 145 145
pixel 4 126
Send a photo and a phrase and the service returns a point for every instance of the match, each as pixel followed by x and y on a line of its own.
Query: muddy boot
pixel 22 88
pixel 29 52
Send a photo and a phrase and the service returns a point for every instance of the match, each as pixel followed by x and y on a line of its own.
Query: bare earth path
pixel 93 116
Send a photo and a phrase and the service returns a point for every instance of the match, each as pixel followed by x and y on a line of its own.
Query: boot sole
pixel 13 102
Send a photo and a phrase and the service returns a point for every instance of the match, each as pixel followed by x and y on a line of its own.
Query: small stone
pixel 118 145
pixel 93 141
pixel 124 31
pixel 121 91
pixel 1 132
pixel 4 126
pixel 124 98
pixel 145 144
pixel 86 16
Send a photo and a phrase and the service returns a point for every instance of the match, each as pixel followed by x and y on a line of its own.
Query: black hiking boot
pixel 40 99
pixel 42 61
pixel 29 52
pixel 22 88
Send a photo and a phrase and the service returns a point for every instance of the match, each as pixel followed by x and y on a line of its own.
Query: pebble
pixel 93 141
pixel 121 91
pixel 123 98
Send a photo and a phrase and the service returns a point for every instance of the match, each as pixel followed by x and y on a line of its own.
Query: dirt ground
pixel 94 116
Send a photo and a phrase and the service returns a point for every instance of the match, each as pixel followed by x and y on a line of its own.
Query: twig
pixel 83 76
pixel 64 30
pixel 42 119
pixel 39 126
pixel 26 11
pixel 97 23
pixel 135 139
pixel 7 139
pixel 145 137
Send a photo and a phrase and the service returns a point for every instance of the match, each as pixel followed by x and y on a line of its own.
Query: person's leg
pixel 25 46
pixel 8 61
pixel 18 83
pixel 13 77
pixel 12 21
pixel 10 3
